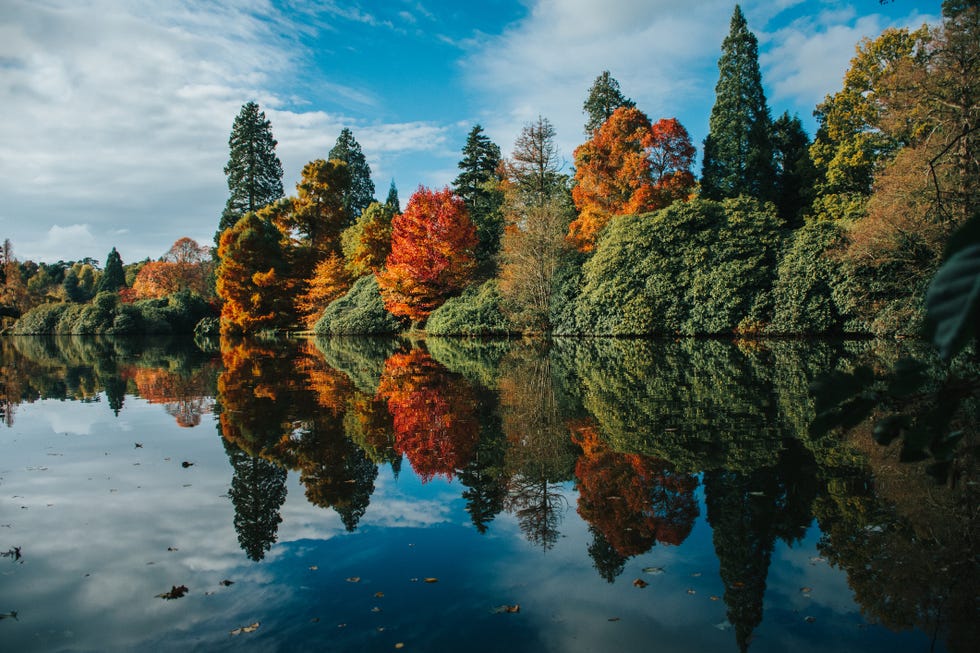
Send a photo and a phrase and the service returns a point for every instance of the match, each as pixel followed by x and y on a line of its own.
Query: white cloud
pixel 116 116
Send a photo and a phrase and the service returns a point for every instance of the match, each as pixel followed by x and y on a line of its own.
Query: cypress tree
pixel 738 155
pixel 392 202
pixel 360 193
pixel 113 277
pixel 254 171
pixel 795 172
pixel 478 185
pixel 604 98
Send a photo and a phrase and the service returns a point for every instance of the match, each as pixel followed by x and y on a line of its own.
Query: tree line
pixel 778 234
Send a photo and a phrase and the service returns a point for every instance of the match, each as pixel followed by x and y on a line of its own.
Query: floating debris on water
pixel 656 571
pixel 245 629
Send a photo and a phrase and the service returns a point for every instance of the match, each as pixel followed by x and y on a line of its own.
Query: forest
pixel 865 229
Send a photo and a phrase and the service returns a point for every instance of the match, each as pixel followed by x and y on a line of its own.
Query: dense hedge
pixel 474 313
pixel 700 267
pixel 106 315
pixel 359 312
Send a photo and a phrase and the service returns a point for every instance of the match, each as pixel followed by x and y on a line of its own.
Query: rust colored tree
pixel 330 280
pixel 185 266
pixel 433 413
pixel 629 166
pixel 431 257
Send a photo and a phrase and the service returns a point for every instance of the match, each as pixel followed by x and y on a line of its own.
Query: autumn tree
pixel 113 276
pixel 431 257
pixel 315 218
pixel 330 280
pixel 254 171
pixel 738 151
pixel 254 279
pixel 850 144
pixel 360 191
pixel 13 291
pixel 367 242
pixel 185 266
pixel 604 98
pixel 629 166
pixel 478 185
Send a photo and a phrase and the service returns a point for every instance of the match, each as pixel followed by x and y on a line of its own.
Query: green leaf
pixel 952 301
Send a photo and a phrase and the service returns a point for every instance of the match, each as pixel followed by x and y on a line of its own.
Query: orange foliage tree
pixel 330 280
pixel 433 414
pixel 431 257
pixel 185 266
pixel 254 278
pixel 634 501
pixel 629 166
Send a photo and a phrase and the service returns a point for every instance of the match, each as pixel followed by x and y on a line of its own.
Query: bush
pixel 359 312
pixel 701 267
pixel 40 320
pixel 474 313
pixel 807 282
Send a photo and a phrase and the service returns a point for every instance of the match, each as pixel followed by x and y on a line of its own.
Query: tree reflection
pixel 540 456
pixel 433 414
pixel 632 501
pixel 258 491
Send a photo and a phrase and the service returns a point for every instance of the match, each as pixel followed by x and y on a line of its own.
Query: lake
pixel 441 495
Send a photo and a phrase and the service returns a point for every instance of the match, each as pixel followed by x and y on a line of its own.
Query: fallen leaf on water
pixel 414 580
pixel 714 598
pixel 400 645
pixel 656 571
pixel 172 548
pixel 139 445
pixel 245 629
pixel 809 620
pixel 313 567
pixel 210 593
pixel 696 574
pixel 175 593
pixel 690 591
pixel 341 625
pixel 227 582
pixel 738 584
pixel 186 464
pixel 639 582
pixel 353 579
pixel 430 580
pixel 375 609
pixel 379 595
pixel 381 629
pixel 806 590
pixel 509 609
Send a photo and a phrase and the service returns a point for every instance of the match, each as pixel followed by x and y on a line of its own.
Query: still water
pixel 382 495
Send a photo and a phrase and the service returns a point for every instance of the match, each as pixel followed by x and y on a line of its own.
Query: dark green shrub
pixel 474 313
pixel 359 312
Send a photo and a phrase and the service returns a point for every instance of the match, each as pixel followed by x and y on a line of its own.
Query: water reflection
pixel 641 430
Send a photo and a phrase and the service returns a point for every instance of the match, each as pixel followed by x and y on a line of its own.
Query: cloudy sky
pixel 116 113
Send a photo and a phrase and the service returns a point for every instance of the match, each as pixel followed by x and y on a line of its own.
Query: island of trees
pixel 777 235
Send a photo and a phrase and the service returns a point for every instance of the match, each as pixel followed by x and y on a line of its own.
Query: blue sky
pixel 116 114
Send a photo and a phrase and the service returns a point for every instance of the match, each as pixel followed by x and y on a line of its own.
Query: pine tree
pixel 738 151
pixel 254 171
pixel 795 172
pixel 392 201
pixel 113 277
pixel 604 98
pixel 478 185
pixel 361 191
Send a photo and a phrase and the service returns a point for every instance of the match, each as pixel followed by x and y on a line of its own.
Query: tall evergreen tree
pixel 254 171
pixel 392 202
pixel 113 277
pixel 738 151
pixel 795 173
pixel 604 98
pixel 361 191
pixel 478 185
